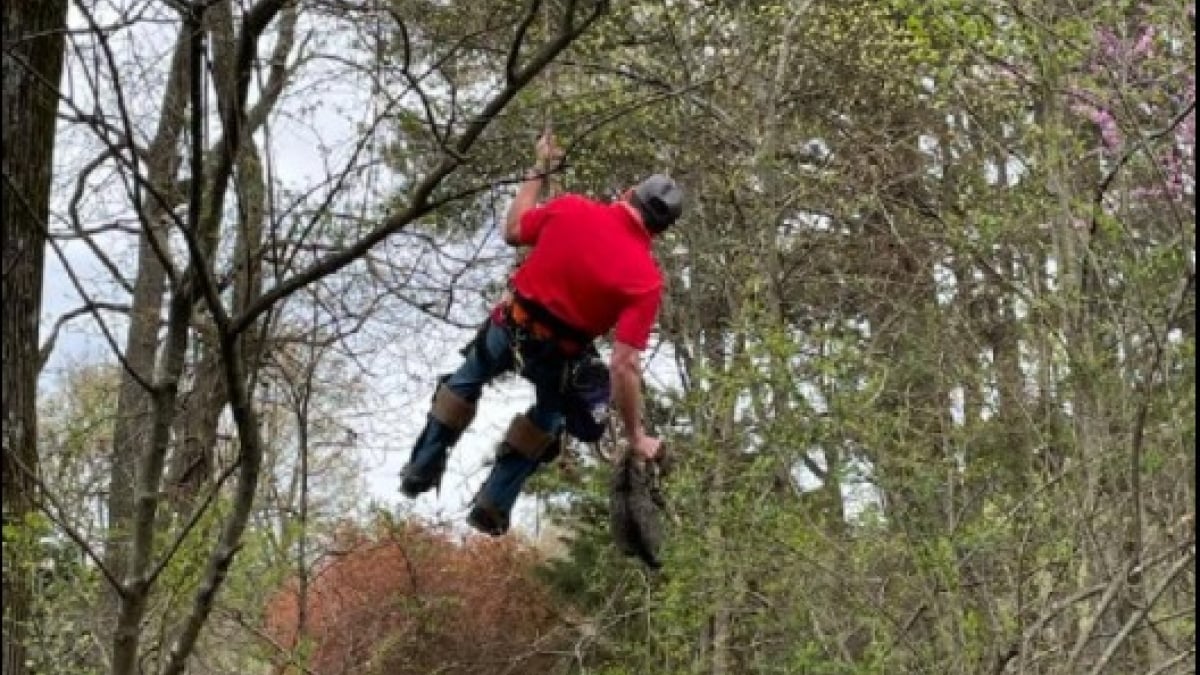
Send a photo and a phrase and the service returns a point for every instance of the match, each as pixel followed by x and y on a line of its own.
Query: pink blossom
pixel 1172 163
pixel 1109 44
pixel 1145 42
pixel 1172 185
pixel 1174 170
pixel 1185 133
pixel 1110 133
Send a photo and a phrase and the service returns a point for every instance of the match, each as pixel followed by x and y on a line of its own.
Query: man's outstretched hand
pixel 547 151
pixel 645 447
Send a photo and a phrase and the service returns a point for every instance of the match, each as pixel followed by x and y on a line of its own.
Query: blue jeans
pixel 492 354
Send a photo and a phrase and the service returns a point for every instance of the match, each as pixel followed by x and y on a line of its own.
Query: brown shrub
pixel 413 600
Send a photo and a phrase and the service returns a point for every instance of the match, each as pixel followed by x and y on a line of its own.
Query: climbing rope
pixel 553 183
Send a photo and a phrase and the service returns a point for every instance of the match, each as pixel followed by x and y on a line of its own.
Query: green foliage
pixel 66 586
pixel 931 301
pixel 968 334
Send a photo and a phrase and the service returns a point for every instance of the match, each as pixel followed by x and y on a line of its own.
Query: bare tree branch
pixel 512 66
pixel 94 307
pixel 89 308
pixel 1170 663
pixel 419 204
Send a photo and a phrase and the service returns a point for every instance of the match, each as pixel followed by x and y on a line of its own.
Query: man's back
pixel 591 266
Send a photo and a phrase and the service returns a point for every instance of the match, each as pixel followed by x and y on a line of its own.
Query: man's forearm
pixel 526 198
pixel 627 398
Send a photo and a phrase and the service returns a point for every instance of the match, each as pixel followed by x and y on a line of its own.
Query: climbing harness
pixel 538 323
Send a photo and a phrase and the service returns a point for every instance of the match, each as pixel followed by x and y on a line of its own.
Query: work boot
pixel 487 518
pixel 492 505
pixel 449 415
pixel 429 456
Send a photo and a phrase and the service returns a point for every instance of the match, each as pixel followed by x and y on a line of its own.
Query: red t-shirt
pixel 592 266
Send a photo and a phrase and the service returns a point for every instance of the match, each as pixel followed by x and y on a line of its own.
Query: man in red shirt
pixel 591 269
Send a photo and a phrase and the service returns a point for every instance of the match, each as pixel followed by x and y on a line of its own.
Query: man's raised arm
pixel 527 195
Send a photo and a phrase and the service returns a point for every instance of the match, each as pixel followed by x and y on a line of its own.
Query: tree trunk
pixel 33 61
pixel 192 461
pixel 132 430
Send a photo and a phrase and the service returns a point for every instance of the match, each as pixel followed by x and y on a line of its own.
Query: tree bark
pixel 33 61
pixel 131 433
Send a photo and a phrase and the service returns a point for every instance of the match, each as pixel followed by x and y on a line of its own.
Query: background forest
pixel 927 359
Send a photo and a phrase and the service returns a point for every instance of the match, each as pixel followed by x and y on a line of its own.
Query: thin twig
pixel 1173 661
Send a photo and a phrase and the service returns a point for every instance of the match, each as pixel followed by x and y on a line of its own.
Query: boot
pixel 448 418
pixel 525 447
pixel 428 462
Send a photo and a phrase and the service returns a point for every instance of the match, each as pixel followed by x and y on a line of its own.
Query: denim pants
pixel 493 353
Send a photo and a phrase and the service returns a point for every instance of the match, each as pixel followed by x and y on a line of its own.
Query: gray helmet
pixel 659 200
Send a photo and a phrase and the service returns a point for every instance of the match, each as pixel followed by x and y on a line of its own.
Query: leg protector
pixel 452 410
pixel 524 449
pixel 527 439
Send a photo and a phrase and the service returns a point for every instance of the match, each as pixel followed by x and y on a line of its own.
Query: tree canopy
pixel 926 357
